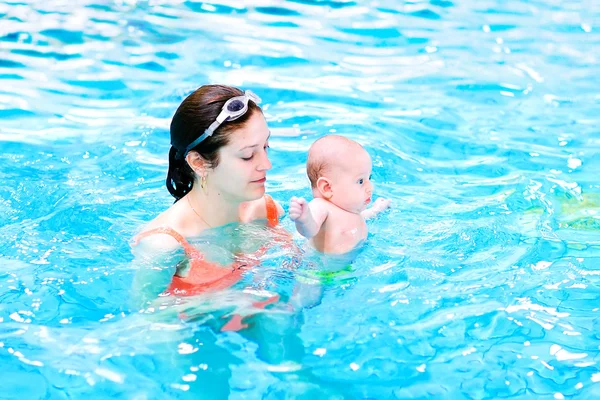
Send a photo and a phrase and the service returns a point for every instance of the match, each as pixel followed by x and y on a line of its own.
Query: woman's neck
pixel 213 208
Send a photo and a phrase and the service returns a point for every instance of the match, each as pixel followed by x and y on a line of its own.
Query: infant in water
pixel 339 170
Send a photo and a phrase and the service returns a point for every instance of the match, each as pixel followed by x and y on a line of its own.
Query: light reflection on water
pixel 481 119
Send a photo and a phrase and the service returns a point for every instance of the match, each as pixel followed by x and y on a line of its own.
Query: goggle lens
pixel 235 106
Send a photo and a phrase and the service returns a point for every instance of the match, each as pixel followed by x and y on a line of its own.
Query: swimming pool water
pixel 482 120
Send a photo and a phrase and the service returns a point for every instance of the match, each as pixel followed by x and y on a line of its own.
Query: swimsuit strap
pixel 187 247
pixel 272 213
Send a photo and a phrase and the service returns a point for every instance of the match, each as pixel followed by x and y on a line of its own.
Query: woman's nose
pixel 265 163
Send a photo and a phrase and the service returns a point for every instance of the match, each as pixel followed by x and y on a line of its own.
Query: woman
pixel 218 164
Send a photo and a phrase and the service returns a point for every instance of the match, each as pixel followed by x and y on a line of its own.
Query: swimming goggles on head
pixel 232 110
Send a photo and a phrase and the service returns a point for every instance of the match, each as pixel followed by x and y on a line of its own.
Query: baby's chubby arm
pixel 309 217
pixel 379 205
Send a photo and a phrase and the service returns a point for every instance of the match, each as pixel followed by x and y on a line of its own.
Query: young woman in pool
pixel 218 164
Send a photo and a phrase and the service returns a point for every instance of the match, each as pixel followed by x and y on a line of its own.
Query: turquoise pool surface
pixel 483 122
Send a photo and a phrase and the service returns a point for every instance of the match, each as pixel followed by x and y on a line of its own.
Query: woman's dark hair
pixel 193 116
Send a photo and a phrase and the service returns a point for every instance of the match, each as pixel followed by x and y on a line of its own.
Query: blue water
pixel 482 118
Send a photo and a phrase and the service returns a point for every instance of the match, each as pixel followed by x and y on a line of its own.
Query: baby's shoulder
pixel 319 202
pixel 333 214
pixel 323 206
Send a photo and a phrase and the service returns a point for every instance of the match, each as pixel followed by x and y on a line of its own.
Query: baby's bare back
pixel 341 232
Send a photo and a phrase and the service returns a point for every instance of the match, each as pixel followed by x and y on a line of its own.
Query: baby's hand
pixel 382 204
pixel 379 205
pixel 299 209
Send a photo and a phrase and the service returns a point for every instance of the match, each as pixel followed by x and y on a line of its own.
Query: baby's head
pixel 339 170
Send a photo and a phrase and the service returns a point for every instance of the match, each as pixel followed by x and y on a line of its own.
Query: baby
pixel 339 170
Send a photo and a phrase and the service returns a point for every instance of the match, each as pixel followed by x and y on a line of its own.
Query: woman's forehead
pixel 254 132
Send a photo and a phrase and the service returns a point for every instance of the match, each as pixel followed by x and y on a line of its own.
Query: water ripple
pixel 481 119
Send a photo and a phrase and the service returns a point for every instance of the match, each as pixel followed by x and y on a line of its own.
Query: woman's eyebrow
pixel 254 145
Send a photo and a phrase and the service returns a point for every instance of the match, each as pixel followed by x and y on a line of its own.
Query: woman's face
pixel 243 163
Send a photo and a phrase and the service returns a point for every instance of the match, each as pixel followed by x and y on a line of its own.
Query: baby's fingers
pixel 382 204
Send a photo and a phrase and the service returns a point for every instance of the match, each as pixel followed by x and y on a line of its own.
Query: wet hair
pixel 316 167
pixel 324 154
pixel 193 116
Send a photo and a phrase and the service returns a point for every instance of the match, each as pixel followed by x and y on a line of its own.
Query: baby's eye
pixel 361 181
pixel 370 177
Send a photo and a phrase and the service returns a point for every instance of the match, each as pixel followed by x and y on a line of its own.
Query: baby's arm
pixel 309 217
pixel 379 205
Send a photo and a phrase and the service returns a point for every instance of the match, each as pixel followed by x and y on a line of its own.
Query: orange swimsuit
pixel 205 276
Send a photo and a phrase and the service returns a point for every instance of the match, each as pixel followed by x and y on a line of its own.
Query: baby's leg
pixel 308 293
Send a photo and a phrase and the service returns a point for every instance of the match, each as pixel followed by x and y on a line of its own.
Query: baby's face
pixel 351 182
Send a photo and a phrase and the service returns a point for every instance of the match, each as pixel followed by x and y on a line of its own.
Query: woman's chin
pixel 255 193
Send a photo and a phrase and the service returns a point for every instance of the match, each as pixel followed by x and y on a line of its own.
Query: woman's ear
pixel 198 164
pixel 324 187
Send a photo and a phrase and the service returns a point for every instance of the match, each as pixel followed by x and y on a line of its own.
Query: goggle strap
pixel 211 129
pixel 222 117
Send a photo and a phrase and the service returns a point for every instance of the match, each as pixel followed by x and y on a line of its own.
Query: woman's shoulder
pixel 157 239
pixel 269 202
pixel 259 209
pixel 280 210
pixel 161 234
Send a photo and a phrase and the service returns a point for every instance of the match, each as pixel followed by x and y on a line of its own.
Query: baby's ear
pixel 324 187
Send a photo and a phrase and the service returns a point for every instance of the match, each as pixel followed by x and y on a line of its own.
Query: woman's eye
pixel 248 158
